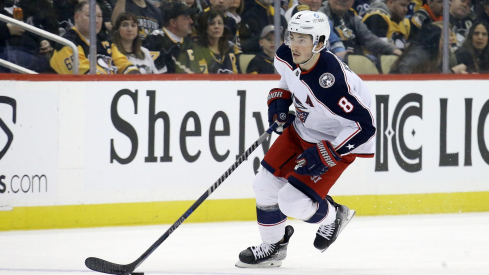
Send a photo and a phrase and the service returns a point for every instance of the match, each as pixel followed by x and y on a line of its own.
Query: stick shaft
pixel 204 196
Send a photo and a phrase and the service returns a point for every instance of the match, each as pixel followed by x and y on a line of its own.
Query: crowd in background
pixel 211 36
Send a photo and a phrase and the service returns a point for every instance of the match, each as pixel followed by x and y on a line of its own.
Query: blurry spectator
pixel 474 53
pixel 314 5
pixel 128 42
pixel 213 53
pixel 40 14
pixel 353 32
pixel 149 17
pixel 167 44
pixel 236 8
pixel 430 12
pixel 155 3
pixel 414 6
pixel 386 19
pixel 424 54
pixel 361 7
pixel 65 10
pixel 262 63
pixel 107 7
pixel 21 47
pixel 230 23
pixel 109 59
pixel 253 21
pixel 200 5
pixel 461 19
pixel 482 10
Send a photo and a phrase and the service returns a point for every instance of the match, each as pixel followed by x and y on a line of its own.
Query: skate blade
pixel 351 213
pixel 266 264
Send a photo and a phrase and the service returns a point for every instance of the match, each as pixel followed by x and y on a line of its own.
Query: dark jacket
pixel 252 23
pixel 355 34
pixel 261 64
pixel 165 50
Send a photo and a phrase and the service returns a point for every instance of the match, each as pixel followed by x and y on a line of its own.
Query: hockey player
pixel 333 125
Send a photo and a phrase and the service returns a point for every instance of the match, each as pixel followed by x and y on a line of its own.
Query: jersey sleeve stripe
pixel 283 61
pixel 359 101
pixel 349 137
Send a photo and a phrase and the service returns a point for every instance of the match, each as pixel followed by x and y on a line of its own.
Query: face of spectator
pixel 398 9
pixel 234 4
pixel 82 20
pixel 301 47
pixel 460 8
pixel 436 7
pixel 222 5
pixel 215 29
pixel 479 38
pixel 268 44
pixel 452 40
pixel 486 9
pixel 182 25
pixel 340 7
pixel 314 5
pixel 128 30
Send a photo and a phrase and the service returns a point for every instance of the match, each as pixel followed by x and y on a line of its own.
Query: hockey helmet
pixel 309 22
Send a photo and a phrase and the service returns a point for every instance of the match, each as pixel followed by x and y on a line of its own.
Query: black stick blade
pixel 104 266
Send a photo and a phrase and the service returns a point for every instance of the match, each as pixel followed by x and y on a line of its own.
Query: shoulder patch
pixel 326 80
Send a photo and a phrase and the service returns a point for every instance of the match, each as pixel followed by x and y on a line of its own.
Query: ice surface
pixel 382 245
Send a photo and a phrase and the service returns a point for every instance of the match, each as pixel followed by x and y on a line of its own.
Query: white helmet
pixel 310 22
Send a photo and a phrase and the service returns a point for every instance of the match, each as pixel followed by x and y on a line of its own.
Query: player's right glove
pixel 279 101
pixel 316 160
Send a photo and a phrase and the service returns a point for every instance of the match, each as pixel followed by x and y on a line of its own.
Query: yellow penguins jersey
pixel 417 4
pixel 109 59
pixel 202 60
pixel 379 22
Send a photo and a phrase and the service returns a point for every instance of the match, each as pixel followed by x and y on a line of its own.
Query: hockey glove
pixel 279 101
pixel 316 160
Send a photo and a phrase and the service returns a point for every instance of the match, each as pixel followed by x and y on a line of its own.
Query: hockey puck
pixel 137 273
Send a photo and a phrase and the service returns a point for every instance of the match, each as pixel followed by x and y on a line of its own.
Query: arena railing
pixel 42 33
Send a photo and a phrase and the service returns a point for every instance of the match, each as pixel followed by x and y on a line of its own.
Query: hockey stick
pixel 103 266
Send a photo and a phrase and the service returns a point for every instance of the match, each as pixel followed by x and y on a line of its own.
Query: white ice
pixel 381 245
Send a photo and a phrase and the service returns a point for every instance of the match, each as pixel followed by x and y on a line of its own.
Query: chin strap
pixel 304 63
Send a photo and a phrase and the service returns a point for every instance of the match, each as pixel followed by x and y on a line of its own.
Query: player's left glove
pixel 316 160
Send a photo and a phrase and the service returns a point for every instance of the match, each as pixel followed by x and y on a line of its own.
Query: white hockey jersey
pixel 331 103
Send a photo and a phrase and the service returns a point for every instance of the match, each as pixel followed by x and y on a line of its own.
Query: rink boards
pixel 84 151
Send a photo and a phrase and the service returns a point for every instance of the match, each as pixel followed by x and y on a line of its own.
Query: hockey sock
pixel 325 214
pixel 271 222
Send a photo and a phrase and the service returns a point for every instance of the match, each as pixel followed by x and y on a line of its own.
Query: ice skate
pixel 266 255
pixel 328 233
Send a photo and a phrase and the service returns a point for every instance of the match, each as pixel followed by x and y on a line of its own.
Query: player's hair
pixel 117 40
pixel 204 21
